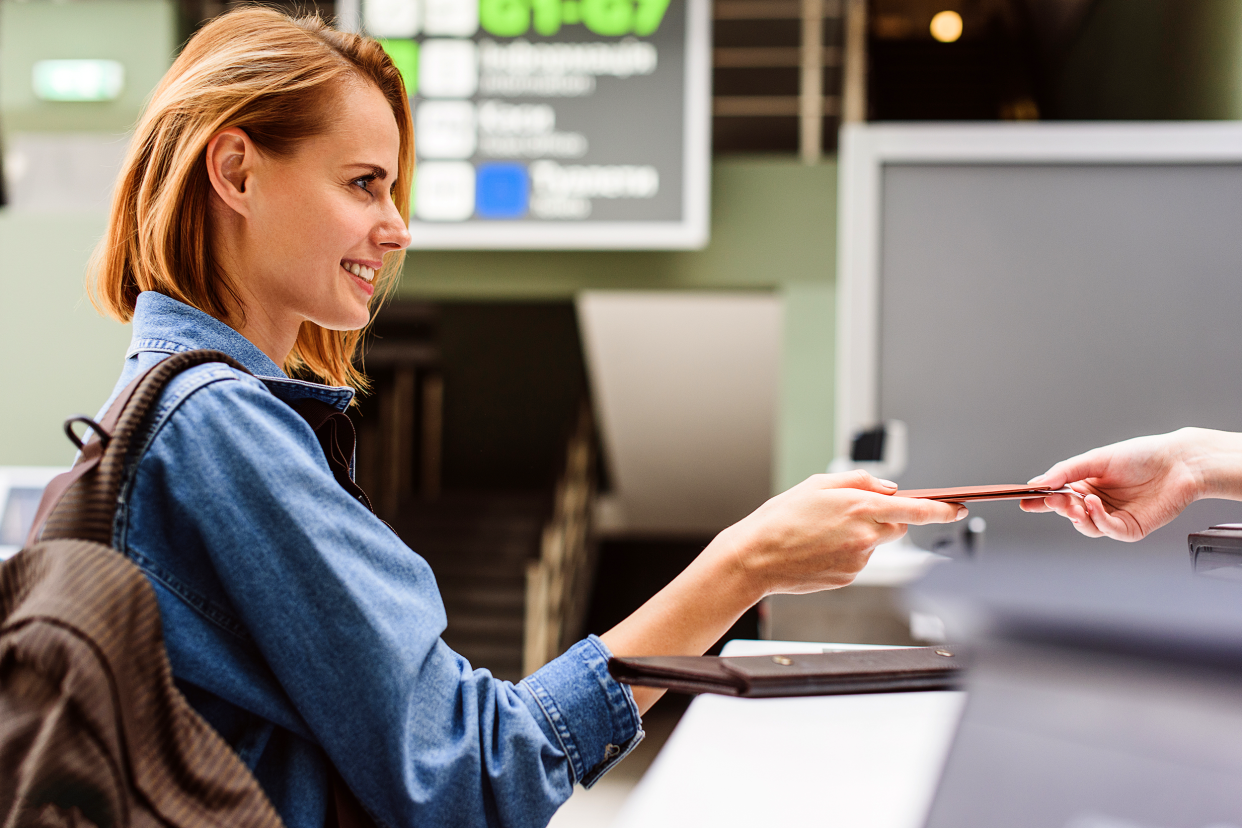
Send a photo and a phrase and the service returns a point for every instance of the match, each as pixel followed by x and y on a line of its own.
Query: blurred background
pixel 561 421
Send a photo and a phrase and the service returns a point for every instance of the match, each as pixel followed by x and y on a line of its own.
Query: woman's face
pixel 318 223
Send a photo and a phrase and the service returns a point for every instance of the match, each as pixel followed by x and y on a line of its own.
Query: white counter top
pixel 863 760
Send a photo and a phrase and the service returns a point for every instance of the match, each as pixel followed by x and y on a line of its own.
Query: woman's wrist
pixel 1214 459
pixel 725 564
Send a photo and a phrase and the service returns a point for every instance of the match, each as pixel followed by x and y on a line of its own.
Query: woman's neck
pixel 273 333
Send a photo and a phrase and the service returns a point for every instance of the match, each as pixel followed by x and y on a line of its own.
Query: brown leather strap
pixel 85 507
pixel 88 458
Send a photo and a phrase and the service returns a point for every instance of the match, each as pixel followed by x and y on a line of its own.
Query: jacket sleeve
pixel 349 620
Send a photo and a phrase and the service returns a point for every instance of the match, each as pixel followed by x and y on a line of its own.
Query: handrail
pixel 558 583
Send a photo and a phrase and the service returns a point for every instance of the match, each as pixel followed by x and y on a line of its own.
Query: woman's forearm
pixel 817 535
pixel 688 615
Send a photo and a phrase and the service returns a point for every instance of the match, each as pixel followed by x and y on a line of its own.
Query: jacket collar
pixel 164 325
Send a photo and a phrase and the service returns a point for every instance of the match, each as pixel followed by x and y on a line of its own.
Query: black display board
pixel 554 123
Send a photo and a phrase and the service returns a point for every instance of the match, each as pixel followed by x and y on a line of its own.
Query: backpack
pixel 93 732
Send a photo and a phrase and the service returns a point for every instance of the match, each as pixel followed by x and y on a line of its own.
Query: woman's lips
pixel 364 270
pixel 366 287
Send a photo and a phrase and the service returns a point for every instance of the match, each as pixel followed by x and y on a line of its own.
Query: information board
pixel 553 123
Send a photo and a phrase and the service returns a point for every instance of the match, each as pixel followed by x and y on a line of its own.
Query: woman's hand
pixel 820 533
pixel 1130 489
pixel 817 535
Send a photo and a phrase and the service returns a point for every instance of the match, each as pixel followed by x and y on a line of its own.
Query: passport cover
pixel 963 494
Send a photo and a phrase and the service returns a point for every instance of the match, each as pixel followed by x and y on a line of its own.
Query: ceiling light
pixel 946 26
pixel 78 80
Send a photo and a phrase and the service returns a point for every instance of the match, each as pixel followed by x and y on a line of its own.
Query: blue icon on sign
pixel 502 191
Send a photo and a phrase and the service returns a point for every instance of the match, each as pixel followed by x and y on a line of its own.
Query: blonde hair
pixel 274 77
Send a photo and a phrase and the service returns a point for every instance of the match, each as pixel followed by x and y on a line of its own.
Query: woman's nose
pixel 393 232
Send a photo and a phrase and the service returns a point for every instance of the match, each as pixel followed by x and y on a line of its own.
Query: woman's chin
pixel 353 319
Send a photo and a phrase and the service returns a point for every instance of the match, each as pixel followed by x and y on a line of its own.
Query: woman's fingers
pixel 1088 514
pixel 888 532
pixel 857 479
pixel 916 511
pixel 890 509
pixel 1048 503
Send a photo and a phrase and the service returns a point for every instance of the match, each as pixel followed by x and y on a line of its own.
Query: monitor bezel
pixel 866 149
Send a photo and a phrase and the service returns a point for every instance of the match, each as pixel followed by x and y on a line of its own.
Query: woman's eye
pixel 364 182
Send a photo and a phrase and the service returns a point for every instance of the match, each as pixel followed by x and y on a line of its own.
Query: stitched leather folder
pixel 802 674
pixel 963 494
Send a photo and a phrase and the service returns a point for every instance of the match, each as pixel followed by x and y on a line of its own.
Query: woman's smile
pixel 362 274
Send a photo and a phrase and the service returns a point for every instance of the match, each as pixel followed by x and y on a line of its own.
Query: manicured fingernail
pixel 888 484
pixel 962 512
pixel 1035 481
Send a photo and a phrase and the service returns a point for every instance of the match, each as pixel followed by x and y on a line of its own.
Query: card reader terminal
pixel 1217 552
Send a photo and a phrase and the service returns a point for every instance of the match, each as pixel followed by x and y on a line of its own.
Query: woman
pixel 262 211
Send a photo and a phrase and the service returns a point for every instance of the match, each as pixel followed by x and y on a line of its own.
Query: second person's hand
pixel 1129 489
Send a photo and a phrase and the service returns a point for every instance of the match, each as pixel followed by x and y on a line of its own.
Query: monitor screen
pixel 1030 312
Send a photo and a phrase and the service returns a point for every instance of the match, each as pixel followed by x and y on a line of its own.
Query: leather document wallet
pixel 964 494
pixel 802 674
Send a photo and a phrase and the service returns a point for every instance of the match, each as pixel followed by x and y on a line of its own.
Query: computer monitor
pixel 1103 695
pixel 1019 293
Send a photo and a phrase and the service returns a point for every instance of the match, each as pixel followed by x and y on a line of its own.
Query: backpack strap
pixel 81 503
pixel 88 458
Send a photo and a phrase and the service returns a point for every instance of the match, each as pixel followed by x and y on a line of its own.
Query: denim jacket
pixel 307 633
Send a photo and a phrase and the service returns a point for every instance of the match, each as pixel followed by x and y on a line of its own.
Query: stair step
pixel 474 598
pixel 478 546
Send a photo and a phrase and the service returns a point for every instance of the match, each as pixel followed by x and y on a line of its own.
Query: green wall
pixel 138 33
pixel 804 434
pixel 61 357
pixel 773 229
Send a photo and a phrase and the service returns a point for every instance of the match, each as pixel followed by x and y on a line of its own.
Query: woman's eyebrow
pixel 376 170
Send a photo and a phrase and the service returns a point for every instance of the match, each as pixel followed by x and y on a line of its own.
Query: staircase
pixel 477 446
pixel 478 546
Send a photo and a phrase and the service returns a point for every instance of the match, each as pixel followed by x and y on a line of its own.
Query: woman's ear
pixel 230 165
